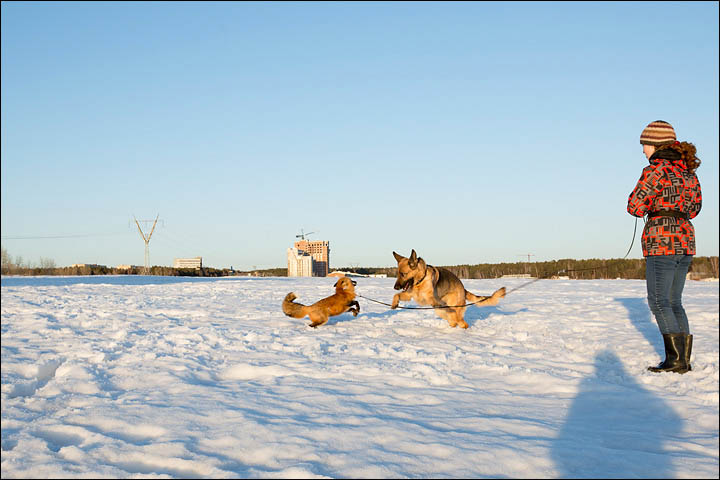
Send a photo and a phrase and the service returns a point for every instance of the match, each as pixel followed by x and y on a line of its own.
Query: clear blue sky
pixel 472 132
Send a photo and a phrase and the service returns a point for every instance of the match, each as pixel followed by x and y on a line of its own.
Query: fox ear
pixel 398 257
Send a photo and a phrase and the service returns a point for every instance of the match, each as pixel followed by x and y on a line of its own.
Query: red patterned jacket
pixel 666 184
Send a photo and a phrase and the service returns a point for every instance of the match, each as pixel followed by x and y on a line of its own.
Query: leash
pixel 424 308
pixel 542 277
pixel 632 242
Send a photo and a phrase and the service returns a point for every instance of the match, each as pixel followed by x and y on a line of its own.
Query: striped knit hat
pixel 658 133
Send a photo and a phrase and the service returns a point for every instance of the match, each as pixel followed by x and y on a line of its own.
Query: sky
pixel 177 377
pixel 472 132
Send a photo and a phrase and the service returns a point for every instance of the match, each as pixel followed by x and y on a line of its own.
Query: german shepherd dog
pixel 342 301
pixel 437 287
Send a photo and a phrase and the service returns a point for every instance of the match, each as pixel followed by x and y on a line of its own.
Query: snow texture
pixel 168 377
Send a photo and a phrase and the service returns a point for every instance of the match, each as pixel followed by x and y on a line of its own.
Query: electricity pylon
pixel 528 262
pixel 146 238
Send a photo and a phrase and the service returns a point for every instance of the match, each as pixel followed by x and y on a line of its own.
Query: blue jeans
pixel 665 276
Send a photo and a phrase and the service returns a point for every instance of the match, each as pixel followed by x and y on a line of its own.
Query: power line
pixel 44 237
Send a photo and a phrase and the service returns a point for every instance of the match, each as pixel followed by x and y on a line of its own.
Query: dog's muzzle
pixel 404 286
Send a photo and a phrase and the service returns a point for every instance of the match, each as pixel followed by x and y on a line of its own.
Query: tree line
pixel 702 267
pixel 18 266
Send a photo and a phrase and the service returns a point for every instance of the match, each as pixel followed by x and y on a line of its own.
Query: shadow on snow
pixel 642 320
pixel 615 428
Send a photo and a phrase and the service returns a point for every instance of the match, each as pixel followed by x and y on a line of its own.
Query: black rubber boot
pixel 674 354
pixel 688 351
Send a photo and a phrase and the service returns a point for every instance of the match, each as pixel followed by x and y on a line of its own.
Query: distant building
pixel 195 262
pixel 319 250
pixel 300 264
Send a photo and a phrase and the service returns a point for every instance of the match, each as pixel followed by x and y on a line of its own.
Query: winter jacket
pixel 666 184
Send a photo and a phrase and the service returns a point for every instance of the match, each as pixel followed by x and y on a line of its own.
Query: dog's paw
pixel 395 302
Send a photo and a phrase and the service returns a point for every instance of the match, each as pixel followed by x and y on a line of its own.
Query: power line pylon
pixel 146 239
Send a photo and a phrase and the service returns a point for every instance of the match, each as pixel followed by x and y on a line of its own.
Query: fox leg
pixel 318 318
pixel 356 310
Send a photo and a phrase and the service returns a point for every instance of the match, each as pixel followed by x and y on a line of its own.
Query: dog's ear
pixel 336 283
pixel 353 282
pixel 421 263
pixel 412 261
pixel 397 256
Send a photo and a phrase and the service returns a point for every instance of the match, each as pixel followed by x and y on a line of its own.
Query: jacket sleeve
pixel 648 187
pixel 696 203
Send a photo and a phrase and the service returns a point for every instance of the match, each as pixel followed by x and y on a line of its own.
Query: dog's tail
pixel 486 301
pixel 292 309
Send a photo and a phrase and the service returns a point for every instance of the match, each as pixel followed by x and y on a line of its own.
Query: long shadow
pixel 615 428
pixel 642 320
pixel 472 315
pixel 348 317
pixel 345 317
pixel 384 315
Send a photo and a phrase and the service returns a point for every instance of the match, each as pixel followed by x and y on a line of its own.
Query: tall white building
pixel 300 264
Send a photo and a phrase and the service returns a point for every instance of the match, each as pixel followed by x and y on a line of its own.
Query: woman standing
pixel 668 192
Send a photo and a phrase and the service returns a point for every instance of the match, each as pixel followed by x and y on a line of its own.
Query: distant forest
pixel 702 267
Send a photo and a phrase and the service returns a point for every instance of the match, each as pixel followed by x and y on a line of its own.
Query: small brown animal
pixel 342 301
pixel 437 287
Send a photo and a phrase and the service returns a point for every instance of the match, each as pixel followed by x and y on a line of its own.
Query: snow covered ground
pixel 167 377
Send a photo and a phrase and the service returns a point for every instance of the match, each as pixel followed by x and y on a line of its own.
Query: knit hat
pixel 658 133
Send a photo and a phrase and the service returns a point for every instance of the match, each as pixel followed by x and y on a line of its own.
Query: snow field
pixel 163 377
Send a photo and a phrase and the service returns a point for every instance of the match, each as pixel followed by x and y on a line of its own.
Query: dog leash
pixel 542 277
pixel 424 308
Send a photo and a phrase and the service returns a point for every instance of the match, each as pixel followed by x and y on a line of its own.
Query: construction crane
pixel 303 234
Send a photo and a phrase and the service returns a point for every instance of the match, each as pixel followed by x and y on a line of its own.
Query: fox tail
pixel 292 309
